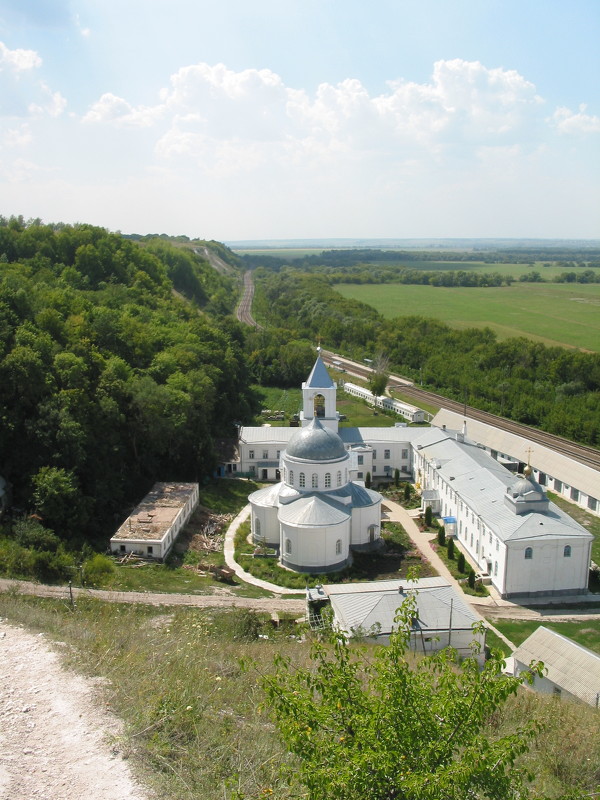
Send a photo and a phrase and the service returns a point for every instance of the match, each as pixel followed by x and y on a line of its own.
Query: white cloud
pixel 113 109
pixel 17 137
pixel 18 60
pixel 568 122
pixel 52 103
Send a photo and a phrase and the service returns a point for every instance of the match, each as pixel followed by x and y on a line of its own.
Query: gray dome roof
pixel 316 443
pixel 526 486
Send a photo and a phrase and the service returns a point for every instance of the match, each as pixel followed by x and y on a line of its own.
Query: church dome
pixel 316 443
pixel 526 485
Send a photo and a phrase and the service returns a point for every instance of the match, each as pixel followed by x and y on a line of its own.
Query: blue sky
pixel 303 118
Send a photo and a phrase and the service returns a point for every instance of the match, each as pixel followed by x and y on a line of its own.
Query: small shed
pixel 151 529
pixel 443 618
pixel 570 670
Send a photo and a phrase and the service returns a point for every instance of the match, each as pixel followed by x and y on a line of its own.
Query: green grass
pixel 556 314
pixel 393 562
pixel 586 632
pixel 195 722
pixel 583 517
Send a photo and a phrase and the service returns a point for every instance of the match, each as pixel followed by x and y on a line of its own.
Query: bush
pixel 441 537
pixel 29 532
pixel 451 549
pixel 368 480
pixel 397 480
pixel 50 567
pixel 471 578
pixel 407 491
pixel 97 570
pixel 428 516
pixel 461 563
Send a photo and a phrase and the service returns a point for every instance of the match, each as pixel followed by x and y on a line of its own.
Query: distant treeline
pixel 568 258
pixel 552 388
pixel 120 365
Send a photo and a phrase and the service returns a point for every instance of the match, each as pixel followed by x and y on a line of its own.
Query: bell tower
pixel 319 396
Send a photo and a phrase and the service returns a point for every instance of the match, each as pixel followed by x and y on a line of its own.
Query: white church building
pixel 318 510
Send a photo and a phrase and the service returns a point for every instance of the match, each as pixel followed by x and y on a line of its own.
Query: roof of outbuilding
pixel 377 603
pixel 567 664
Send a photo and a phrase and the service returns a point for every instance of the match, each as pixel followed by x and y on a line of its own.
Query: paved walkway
pixel 240 571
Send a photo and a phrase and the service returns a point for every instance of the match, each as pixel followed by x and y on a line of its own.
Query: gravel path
pixel 55 735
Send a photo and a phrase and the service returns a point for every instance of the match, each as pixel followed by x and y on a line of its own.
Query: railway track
pixel 244 309
pixel 589 456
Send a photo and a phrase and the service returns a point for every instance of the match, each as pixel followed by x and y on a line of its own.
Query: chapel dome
pixel 526 485
pixel 316 443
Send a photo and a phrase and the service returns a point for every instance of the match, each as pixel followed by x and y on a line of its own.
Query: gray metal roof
pixel 314 510
pixel 567 664
pixel 268 497
pixel 374 436
pixel 542 458
pixel 266 434
pixel 482 483
pixel 377 603
pixel 319 378
pixel 359 496
pixel 314 442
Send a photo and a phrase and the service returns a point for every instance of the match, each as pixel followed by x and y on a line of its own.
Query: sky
pixel 283 119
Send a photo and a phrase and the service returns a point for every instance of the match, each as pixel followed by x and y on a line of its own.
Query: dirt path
pixel 57 742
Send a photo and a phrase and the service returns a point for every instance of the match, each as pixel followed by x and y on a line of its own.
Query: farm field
pixel 562 314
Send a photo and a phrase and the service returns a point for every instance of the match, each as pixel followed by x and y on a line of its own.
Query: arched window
pixel 496 568
pixel 339 479
pixel 328 480
pixel 302 480
pixel 319 406
pixel 315 481
pixel 257 528
pixel 291 477
pixel 567 551
pixel 288 547
pixel 284 475
pixel 338 547
pixel 528 552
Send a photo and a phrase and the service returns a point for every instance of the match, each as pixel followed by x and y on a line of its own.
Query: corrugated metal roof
pixel 266 434
pixel 481 482
pixel 567 470
pixel 319 378
pixel 569 665
pixel 377 603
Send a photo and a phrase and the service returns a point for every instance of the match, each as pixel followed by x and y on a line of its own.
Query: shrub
pixel 471 578
pixel 397 480
pixel 29 532
pixel 407 491
pixel 428 516
pixel 441 537
pixel 450 549
pixel 368 480
pixel 461 563
pixel 97 570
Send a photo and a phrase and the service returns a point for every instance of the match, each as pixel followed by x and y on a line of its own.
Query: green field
pixel 563 314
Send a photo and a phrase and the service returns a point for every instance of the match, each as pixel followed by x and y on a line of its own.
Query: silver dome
pixel 316 443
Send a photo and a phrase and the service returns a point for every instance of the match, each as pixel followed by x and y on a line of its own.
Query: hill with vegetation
pixel 553 388
pixel 120 365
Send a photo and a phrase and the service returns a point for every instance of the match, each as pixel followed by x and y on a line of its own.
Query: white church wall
pixel 319 549
pixel 538 567
pixel 366 525
pixel 265 525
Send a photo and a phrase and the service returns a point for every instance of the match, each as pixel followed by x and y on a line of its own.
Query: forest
pixel 552 388
pixel 120 365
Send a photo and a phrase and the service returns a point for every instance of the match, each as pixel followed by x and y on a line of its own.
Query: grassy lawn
pixel 589 521
pixel 392 562
pixel 586 632
pixel 556 314
pixel 196 722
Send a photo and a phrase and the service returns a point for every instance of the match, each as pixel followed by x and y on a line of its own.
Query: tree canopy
pixel 384 726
